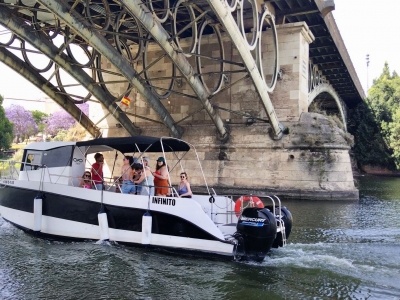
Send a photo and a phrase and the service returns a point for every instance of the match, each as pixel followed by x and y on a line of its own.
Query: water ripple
pixel 339 250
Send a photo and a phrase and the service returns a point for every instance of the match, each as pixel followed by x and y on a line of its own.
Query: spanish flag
pixel 126 101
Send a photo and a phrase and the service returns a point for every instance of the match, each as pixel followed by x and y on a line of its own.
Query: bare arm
pixel 141 178
pixel 164 173
pixel 145 173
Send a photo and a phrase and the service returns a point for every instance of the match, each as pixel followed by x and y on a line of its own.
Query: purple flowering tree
pixel 24 123
pixel 61 120
pixel 6 129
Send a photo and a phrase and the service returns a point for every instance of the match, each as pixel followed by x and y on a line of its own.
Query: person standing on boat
pixel 136 173
pixel 146 161
pixel 97 171
pixel 184 190
pixel 146 180
pixel 161 178
pixel 126 173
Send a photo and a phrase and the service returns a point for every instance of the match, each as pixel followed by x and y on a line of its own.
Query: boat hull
pixel 68 217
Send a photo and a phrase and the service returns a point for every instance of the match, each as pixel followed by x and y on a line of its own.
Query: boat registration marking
pixel 6 181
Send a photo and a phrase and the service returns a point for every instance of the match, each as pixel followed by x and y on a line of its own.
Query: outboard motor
pixel 288 223
pixel 256 231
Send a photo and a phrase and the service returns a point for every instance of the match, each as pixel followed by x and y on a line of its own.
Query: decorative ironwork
pixel 125 31
pixel 315 77
pixel 317 84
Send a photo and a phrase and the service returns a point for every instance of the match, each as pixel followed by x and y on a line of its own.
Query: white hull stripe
pixel 72 229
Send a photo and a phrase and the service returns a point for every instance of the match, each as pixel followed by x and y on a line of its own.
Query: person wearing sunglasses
pixel 86 180
pixel 184 190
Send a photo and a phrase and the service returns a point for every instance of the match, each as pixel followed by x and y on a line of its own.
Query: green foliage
pixel 61 135
pixel 18 155
pixel 75 133
pixel 6 129
pixel 40 118
pixel 375 124
pixel 370 147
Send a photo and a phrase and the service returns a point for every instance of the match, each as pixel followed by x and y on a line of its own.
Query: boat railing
pixel 9 169
pixel 275 203
pixel 278 216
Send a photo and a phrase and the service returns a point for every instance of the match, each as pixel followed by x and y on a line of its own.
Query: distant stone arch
pixel 327 89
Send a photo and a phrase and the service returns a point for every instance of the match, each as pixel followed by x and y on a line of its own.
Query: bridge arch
pixel 329 99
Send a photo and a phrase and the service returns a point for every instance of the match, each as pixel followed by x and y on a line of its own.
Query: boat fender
pixel 103 225
pixel 37 212
pixel 239 203
pixel 146 228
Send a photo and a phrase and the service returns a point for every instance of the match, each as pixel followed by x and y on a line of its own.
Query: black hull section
pixel 86 211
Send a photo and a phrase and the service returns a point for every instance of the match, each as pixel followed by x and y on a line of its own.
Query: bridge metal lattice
pixel 119 33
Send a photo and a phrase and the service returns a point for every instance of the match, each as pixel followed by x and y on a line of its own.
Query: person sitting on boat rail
pixel 126 173
pixel 86 180
pixel 97 171
pixel 184 190
pixel 145 181
pixel 161 178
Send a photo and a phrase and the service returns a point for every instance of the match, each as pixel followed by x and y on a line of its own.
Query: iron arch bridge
pixel 78 38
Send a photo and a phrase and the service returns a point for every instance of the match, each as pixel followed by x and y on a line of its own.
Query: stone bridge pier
pixel 261 88
pixel 310 161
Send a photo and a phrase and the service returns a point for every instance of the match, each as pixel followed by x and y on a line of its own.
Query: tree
pixel 377 129
pixel 6 129
pixel 24 124
pixel 40 118
pixel 394 136
pixel 370 147
pixel 61 120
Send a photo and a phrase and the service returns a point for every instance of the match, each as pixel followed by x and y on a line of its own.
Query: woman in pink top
pixel 86 181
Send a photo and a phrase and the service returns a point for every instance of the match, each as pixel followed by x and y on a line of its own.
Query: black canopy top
pixel 143 143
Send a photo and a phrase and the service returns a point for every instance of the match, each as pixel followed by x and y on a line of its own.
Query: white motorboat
pixel 40 195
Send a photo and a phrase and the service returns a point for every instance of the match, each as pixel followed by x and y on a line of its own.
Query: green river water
pixel 337 250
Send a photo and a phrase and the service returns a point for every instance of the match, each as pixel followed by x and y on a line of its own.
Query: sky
pixel 367 27
pixel 370 27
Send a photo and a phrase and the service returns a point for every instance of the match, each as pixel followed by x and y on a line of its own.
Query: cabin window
pixel 33 160
pixel 58 157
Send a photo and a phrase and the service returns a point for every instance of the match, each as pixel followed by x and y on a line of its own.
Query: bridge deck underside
pixel 113 38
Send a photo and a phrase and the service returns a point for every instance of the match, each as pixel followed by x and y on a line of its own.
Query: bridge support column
pixel 290 97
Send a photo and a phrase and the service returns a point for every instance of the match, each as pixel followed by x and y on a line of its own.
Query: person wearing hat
pixel 161 178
